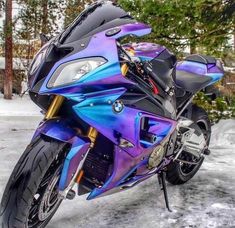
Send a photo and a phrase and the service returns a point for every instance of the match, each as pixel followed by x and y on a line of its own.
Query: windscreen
pixel 96 18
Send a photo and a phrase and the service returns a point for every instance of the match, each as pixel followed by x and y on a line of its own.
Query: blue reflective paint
pixel 215 77
pixel 64 175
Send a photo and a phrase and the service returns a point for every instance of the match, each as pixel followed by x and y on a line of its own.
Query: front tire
pixel 31 197
pixel 178 173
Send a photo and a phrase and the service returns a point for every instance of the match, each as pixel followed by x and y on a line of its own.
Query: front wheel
pixel 180 173
pixel 31 197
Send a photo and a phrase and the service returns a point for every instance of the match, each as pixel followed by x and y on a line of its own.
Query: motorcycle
pixel 115 115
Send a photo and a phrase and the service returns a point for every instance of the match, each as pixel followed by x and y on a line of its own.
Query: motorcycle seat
pixel 191 82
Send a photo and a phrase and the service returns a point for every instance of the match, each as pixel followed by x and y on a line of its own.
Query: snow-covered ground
pixel 208 200
pixel 18 106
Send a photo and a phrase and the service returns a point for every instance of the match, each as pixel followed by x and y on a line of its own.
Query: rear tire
pixel 34 178
pixel 175 174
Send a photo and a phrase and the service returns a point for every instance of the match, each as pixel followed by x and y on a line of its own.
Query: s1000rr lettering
pixel 115 115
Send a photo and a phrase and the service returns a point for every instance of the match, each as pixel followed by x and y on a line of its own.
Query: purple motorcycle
pixel 115 115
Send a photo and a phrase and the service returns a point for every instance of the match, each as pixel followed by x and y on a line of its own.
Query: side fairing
pixel 99 111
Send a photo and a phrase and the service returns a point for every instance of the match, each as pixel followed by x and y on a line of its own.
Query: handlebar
pixel 147 67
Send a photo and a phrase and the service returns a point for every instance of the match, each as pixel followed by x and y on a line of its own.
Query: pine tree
pixel 179 24
pixel 39 16
pixel 1 5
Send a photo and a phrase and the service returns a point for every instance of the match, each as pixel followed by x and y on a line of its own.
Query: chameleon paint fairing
pixel 210 70
pixel 96 109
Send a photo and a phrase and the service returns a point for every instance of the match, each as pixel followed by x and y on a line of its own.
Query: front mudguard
pixel 59 129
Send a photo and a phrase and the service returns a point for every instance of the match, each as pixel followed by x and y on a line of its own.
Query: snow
pixel 18 63
pixel 18 106
pixel 223 134
pixel 208 200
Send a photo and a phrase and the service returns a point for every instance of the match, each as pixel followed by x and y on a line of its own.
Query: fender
pixel 59 129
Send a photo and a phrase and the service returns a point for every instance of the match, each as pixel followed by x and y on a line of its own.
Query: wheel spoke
pixel 46 180
pixel 33 211
pixel 187 168
pixel 46 200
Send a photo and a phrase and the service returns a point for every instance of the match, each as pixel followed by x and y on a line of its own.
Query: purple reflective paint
pixel 214 69
pixel 123 165
pixel 75 156
pixel 57 129
pixel 211 70
pixel 192 67
pixel 127 123
pixel 137 29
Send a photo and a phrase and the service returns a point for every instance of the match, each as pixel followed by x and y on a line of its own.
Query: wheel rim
pixel 47 198
pixel 204 128
pixel 50 199
pixel 186 169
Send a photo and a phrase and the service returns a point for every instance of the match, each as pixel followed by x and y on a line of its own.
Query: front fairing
pixel 109 74
pixel 38 64
pixel 95 19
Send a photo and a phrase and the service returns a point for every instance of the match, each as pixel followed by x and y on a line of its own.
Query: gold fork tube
pixel 54 107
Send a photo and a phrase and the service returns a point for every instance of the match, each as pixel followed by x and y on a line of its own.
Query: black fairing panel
pixel 164 66
pixel 143 102
pixel 96 18
pixel 201 59
pixel 191 82
pixel 43 101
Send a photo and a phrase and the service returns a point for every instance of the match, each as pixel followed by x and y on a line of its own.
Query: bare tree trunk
pixel 44 16
pixel 8 52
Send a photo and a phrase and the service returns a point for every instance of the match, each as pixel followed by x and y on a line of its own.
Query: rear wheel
pixel 180 173
pixel 31 196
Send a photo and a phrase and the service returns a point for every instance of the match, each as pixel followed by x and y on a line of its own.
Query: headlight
pixel 73 71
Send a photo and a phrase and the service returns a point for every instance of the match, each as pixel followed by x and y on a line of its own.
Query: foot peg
pixel 162 183
pixel 71 194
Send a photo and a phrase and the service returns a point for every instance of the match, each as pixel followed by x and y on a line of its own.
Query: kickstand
pixel 162 183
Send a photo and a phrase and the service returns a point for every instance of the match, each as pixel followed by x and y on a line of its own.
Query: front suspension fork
pixel 53 111
pixel 91 134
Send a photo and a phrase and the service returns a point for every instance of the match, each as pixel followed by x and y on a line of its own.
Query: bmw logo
pixel 118 106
